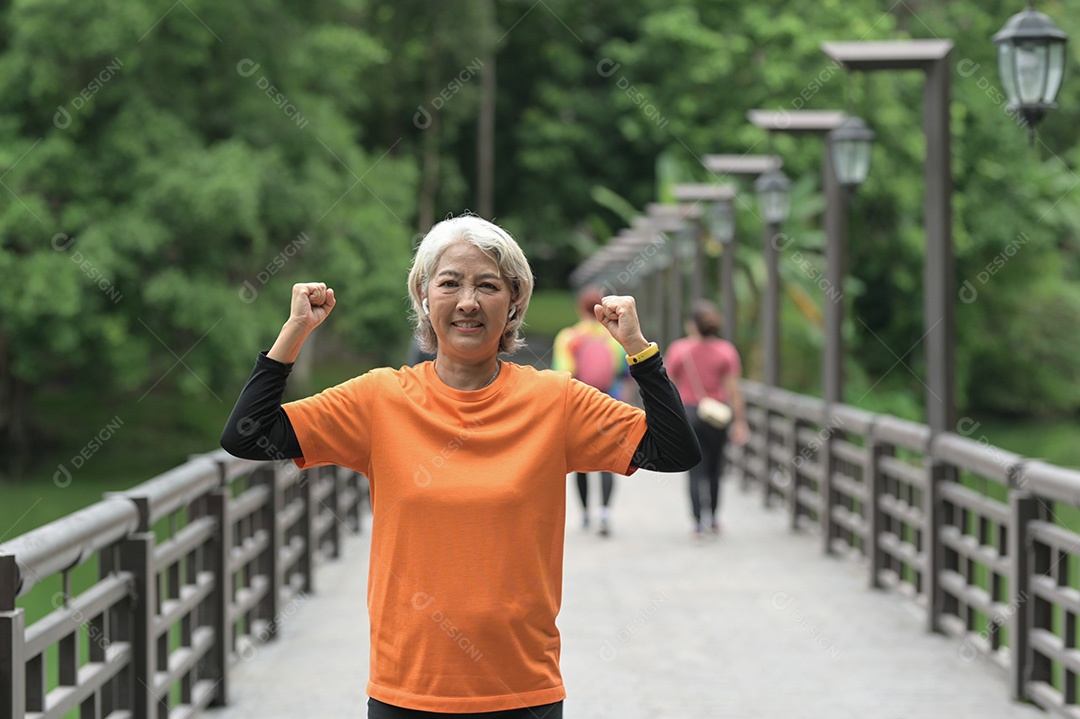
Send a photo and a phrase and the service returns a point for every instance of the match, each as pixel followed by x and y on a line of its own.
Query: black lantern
pixel 686 239
pixel 850 146
pixel 722 222
pixel 772 192
pixel 1031 61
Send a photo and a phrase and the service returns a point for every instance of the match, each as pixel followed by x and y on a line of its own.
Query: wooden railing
pixel 981 538
pixel 196 568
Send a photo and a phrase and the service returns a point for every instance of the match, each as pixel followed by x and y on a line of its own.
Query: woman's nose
pixel 467 298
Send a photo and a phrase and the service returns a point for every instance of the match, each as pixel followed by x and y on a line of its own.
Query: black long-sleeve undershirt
pixel 259 428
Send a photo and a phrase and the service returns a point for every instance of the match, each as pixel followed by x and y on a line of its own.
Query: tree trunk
pixel 15 437
pixel 485 128
pixel 430 168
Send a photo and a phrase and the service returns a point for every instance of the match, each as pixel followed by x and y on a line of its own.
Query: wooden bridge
pixel 866 569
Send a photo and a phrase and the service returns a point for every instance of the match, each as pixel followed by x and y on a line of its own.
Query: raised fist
pixel 311 303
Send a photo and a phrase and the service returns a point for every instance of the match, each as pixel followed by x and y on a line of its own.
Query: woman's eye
pixel 489 286
pixel 448 283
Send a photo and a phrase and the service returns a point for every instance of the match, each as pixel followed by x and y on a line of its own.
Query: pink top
pixel 714 359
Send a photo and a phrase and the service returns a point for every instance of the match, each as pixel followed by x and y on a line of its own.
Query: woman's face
pixel 468 303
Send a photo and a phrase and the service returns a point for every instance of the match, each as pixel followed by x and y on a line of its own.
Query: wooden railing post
pixel 268 562
pixel 12 664
pixel 1039 612
pixel 12 636
pixel 875 519
pixel 1024 508
pixel 137 557
pixel 769 463
pixel 307 528
pixel 796 425
pixel 220 556
pixel 746 453
pixel 766 460
pixel 825 485
pixel 937 473
pixel 333 500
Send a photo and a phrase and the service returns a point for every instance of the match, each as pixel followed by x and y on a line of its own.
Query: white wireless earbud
pixel 424 305
pixel 513 311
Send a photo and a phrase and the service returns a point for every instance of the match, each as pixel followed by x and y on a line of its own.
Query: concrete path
pixel 757 623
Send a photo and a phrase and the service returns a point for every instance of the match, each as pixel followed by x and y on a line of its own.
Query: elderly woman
pixel 467 456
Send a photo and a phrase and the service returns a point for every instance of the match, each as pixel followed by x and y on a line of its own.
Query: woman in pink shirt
pixel 703 364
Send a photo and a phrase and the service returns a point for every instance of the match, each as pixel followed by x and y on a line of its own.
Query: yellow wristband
pixel 644 354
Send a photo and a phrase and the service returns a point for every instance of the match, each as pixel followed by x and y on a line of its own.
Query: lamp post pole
pixel 697 271
pixel 772 190
pixel 835 220
pixel 820 123
pixel 932 58
pixel 727 284
pixel 640 268
pixel 672 220
pixel 708 195
pixel 745 166
pixel 643 227
pixel 771 306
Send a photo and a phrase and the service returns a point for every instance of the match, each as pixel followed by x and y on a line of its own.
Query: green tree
pixel 170 175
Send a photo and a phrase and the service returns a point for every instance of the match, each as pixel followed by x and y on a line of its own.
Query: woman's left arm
pixel 669 443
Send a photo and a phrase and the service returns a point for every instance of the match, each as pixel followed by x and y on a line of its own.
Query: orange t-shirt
pixel 468 499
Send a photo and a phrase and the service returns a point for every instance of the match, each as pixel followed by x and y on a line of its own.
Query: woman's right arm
pixel 258 427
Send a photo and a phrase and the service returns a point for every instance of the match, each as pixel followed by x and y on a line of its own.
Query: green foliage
pixel 1042 325
pixel 550 311
pixel 169 172
pixel 172 176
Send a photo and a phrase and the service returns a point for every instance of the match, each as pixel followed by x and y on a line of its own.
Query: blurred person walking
pixel 703 365
pixel 591 355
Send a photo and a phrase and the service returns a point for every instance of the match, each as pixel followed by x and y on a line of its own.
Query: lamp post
pixel 772 190
pixel 673 221
pixel 1031 61
pixel 643 227
pixel 747 166
pixel 722 228
pixel 849 153
pixel 719 219
pixel 931 57
pixel 639 274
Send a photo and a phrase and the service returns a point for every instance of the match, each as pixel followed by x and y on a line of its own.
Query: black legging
pixel 711 467
pixel 379 710
pixel 607 484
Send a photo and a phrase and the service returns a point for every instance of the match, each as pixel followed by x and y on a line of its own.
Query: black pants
pixel 607 484
pixel 708 472
pixel 379 710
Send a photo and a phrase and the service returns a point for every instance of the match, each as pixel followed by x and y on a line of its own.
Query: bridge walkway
pixel 754 623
